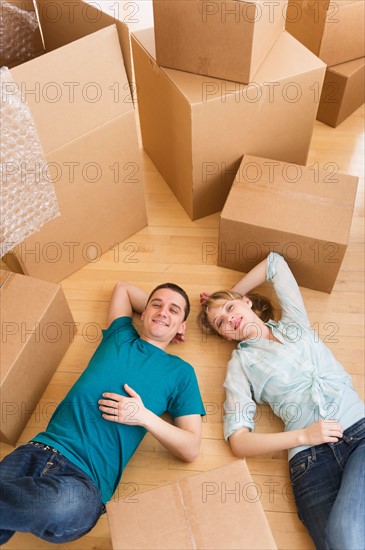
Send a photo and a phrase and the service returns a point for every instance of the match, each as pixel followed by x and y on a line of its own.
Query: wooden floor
pixel 173 247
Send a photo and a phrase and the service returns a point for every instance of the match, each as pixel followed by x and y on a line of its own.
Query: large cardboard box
pixel 304 213
pixel 226 39
pixel 64 22
pixel 82 107
pixel 20 35
pixel 196 129
pixel 343 92
pixel 219 509
pixel 332 29
pixel 36 329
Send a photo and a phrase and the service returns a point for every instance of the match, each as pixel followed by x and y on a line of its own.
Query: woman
pixel 287 366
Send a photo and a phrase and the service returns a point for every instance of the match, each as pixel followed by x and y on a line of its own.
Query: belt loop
pixel 313 451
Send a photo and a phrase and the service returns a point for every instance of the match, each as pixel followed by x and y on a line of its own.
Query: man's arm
pixel 181 438
pixel 125 299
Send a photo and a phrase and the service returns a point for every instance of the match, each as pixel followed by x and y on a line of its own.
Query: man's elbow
pixel 191 454
pixel 190 457
pixel 121 284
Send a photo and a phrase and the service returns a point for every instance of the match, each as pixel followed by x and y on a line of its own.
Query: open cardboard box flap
pixel 70 90
pixel 218 509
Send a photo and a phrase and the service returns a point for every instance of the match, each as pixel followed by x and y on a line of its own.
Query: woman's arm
pixel 255 277
pixel 182 439
pixel 276 270
pixel 247 444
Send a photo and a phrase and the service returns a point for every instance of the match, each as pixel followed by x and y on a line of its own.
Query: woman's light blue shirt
pixel 300 378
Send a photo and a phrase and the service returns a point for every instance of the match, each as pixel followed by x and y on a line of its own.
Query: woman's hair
pixel 260 305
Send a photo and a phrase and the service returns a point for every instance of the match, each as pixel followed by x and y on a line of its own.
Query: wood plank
pixel 175 248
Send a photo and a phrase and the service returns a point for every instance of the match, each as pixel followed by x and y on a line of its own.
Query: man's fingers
pixel 113 396
pixel 111 411
pixel 130 391
pixel 108 403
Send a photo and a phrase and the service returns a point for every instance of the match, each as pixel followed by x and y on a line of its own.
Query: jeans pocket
pixel 299 469
pixel 53 464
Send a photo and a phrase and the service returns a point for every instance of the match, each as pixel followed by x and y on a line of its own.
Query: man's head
pixel 177 289
pixel 165 314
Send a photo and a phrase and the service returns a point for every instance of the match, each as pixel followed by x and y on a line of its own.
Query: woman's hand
pixel 323 431
pixel 122 409
pixel 204 297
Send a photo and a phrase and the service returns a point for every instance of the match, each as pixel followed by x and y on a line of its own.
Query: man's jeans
pixel 329 489
pixel 45 494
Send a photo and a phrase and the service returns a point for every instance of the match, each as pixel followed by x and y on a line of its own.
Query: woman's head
pixel 233 316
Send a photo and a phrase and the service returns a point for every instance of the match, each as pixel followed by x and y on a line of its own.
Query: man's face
pixel 163 317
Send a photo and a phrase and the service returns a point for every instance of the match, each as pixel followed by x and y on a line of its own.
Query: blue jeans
pixel 43 493
pixel 329 488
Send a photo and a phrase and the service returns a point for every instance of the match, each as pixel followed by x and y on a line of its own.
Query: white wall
pixel 137 14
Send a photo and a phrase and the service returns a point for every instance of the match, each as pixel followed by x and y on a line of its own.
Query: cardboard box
pixel 20 33
pixel 219 509
pixel 83 110
pixel 304 213
pixel 227 39
pixel 64 22
pixel 36 329
pixel 343 92
pixel 196 129
pixel 332 29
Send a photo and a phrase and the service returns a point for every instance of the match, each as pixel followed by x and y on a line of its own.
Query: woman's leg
pixel 316 480
pixel 346 523
pixel 329 488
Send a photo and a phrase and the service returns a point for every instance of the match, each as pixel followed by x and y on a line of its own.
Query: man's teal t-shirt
pixel 102 448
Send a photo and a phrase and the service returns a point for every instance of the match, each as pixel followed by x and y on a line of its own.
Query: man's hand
pixel 124 410
pixel 181 438
pixel 178 338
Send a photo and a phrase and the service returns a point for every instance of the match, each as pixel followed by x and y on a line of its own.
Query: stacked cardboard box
pixel 227 40
pixel 215 510
pixel 343 92
pixel 333 30
pixel 196 128
pixel 303 213
pixel 36 329
pixel 82 106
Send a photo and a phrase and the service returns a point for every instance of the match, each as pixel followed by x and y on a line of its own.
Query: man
pixel 56 486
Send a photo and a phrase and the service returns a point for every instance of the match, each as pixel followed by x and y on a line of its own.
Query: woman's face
pixel 235 320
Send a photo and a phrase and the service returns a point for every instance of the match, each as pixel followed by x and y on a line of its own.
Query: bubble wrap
pixel 27 198
pixel 17 29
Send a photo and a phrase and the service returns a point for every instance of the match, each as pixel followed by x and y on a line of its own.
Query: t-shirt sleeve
pixel 239 406
pixel 286 289
pixel 187 398
pixel 121 329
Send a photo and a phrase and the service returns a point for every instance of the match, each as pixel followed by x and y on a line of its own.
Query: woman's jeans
pixel 45 494
pixel 329 488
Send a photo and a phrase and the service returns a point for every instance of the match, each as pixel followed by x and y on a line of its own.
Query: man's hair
pixel 177 289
